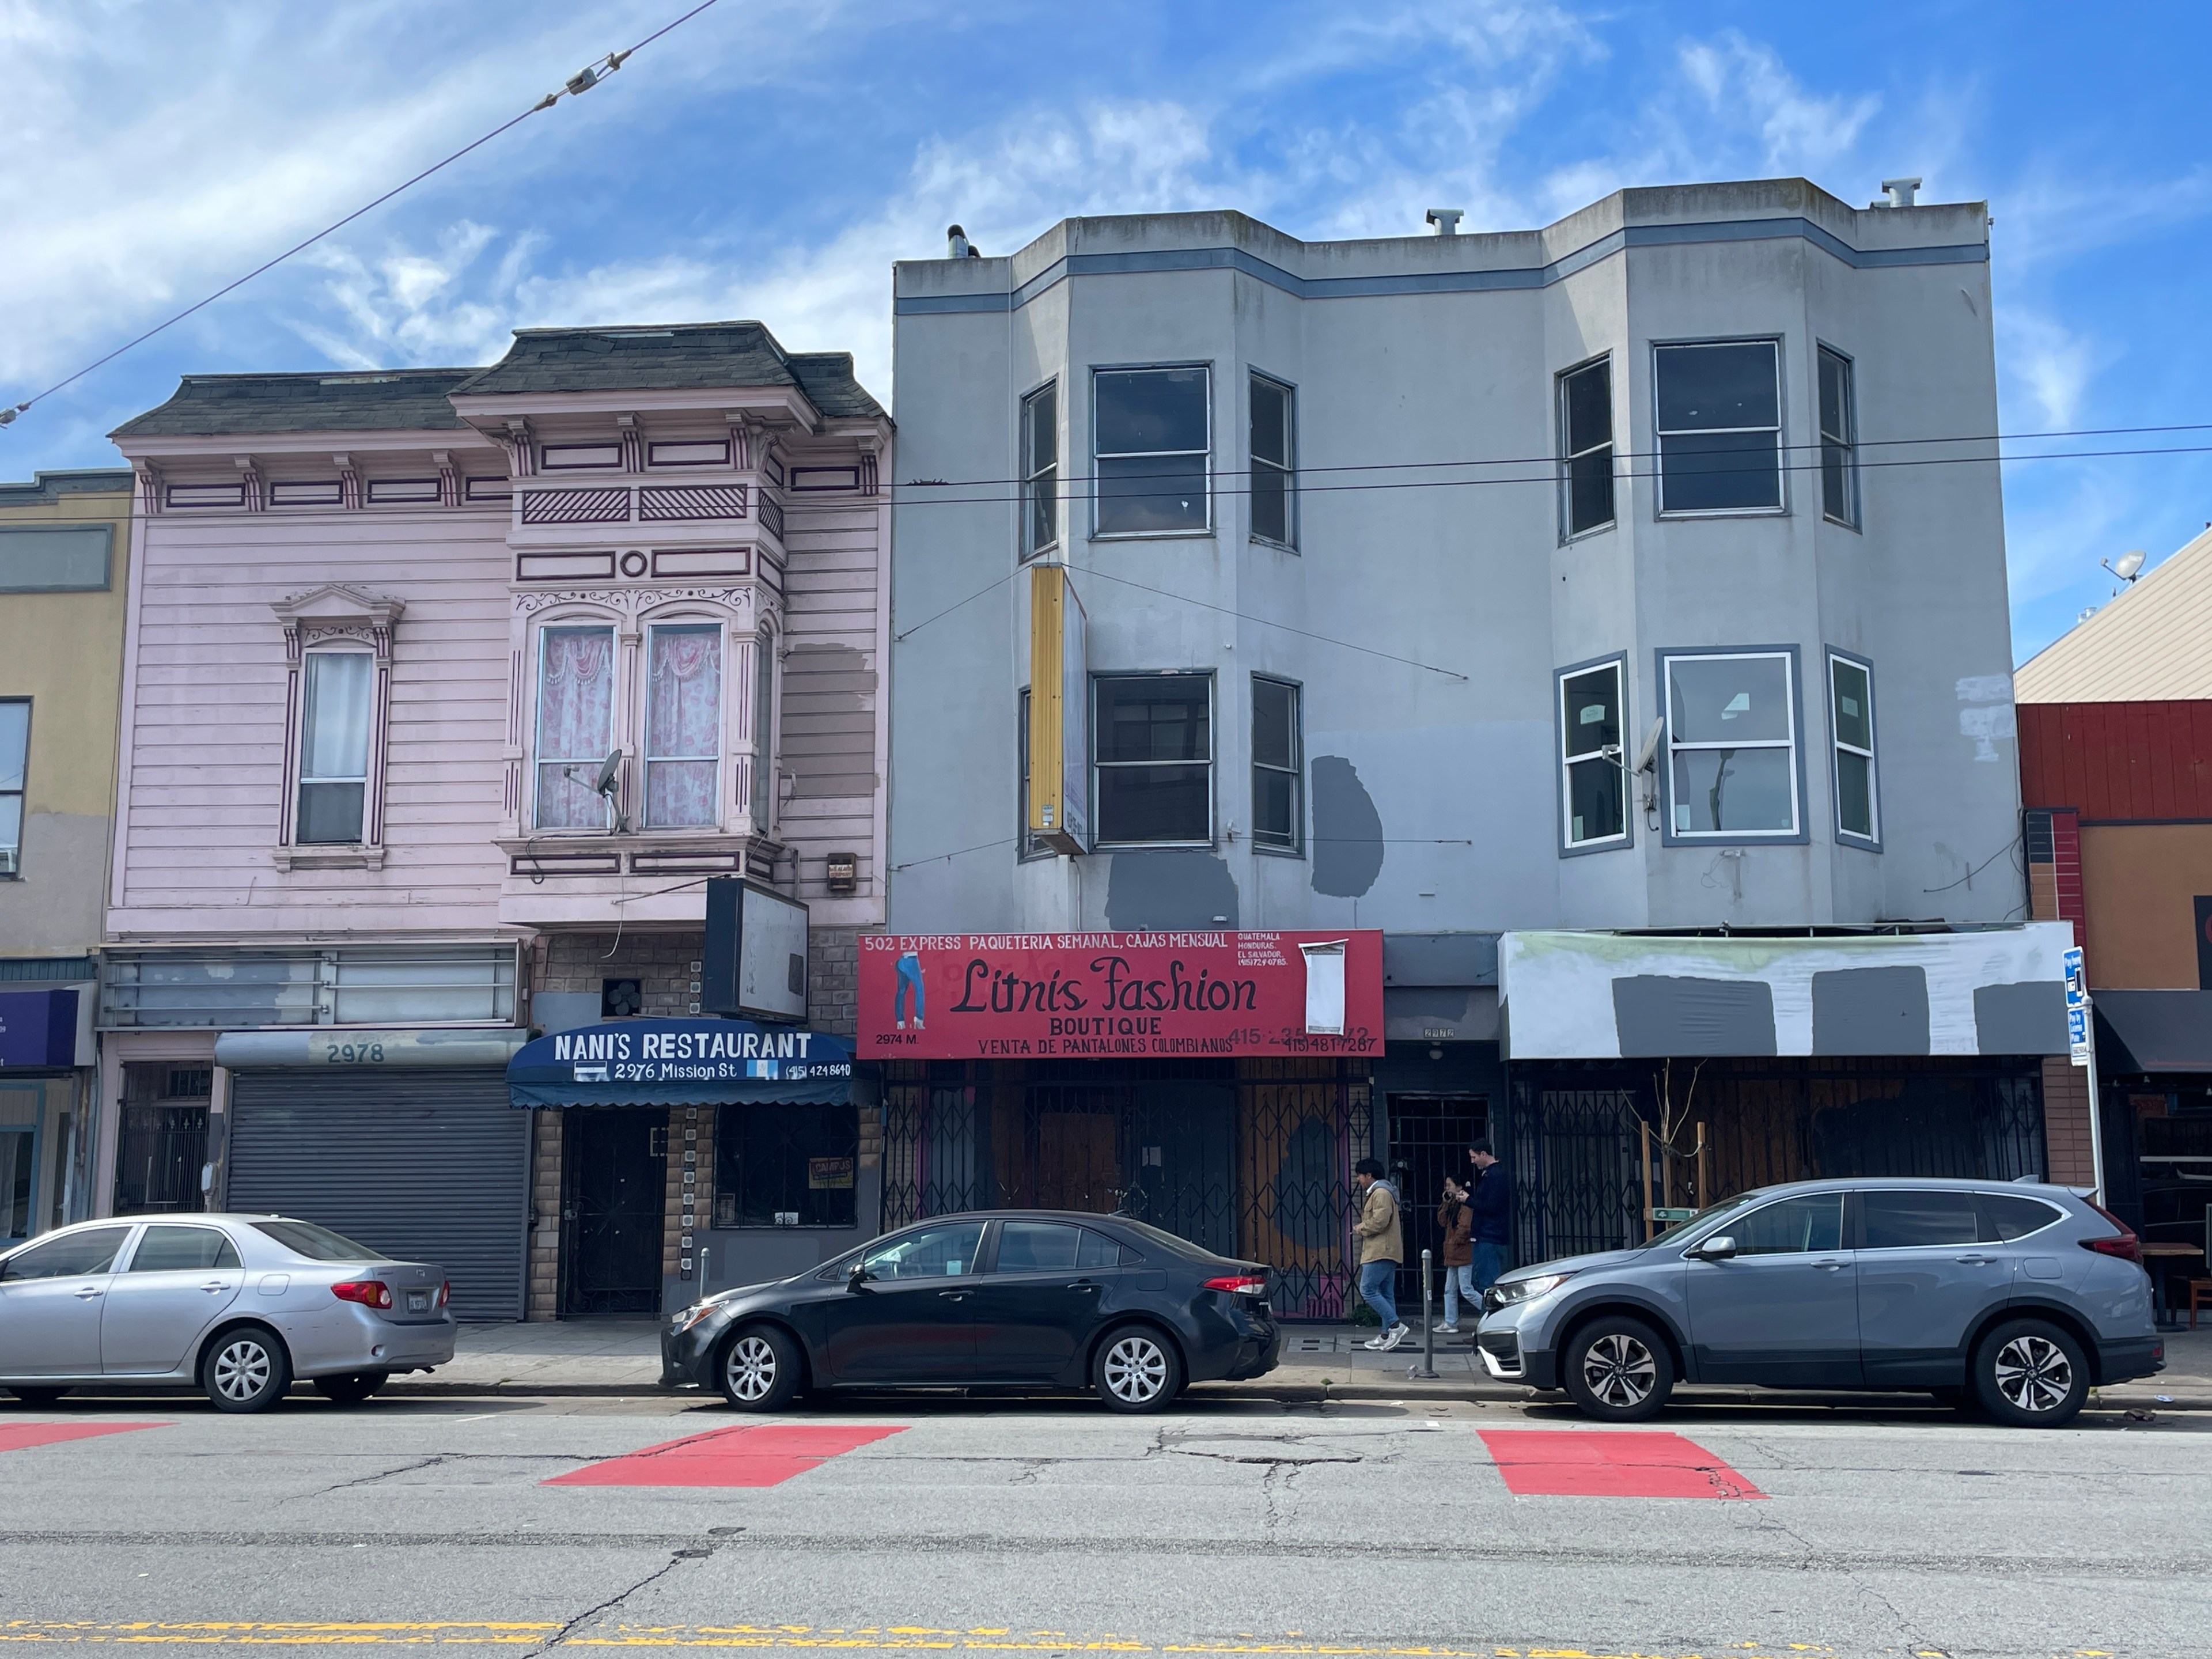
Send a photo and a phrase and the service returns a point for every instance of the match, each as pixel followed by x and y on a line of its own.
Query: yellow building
pixel 64 568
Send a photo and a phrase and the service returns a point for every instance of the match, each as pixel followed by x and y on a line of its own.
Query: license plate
pixel 418 1301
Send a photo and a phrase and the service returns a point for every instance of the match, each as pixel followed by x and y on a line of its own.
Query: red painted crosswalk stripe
pixel 765 1455
pixel 1610 1463
pixel 21 1437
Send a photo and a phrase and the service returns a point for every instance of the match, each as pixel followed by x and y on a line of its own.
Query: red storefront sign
pixel 979 996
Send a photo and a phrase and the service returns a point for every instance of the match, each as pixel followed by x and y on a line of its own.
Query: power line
pixel 1241 616
pixel 577 84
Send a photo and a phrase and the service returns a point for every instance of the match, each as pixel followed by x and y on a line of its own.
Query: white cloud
pixel 2048 364
pixel 1746 85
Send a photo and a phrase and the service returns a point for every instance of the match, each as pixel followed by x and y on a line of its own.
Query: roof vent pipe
pixel 956 245
pixel 1446 220
pixel 1901 193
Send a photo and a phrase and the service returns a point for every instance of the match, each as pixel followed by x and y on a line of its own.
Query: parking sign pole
pixel 2081 1045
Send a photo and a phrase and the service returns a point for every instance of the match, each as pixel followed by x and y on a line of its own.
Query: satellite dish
pixel 2129 566
pixel 1649 750
pixel 609 769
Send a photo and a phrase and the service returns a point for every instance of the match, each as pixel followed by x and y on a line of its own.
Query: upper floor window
pixel 684 728
pixel 763 791
pixel 1586 448
pixel 1851 691
pixel 1040 470
pixel 1274 461
pixel 1839 459
pixel 575 725
pixel 1278 766
pixel 1025 844
pixel 334 724
pixel 14 759
pixel 1720 426
pixel 1732 744
pixel 1592 785
pixel 1151 440
pixel 1154 737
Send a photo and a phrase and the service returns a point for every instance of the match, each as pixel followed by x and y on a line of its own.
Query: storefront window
pixel 786 1166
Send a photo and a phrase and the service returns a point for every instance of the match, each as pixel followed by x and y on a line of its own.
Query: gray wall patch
pixel 2025 1018
pixel 1347 831
pixel 1658 1014
pixel 1183 887
pixel 1870 1011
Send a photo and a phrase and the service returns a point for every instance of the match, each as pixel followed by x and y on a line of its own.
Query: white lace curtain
pixel 684 728
pixel 575 725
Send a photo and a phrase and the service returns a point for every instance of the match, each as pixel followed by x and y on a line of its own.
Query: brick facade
pixel 543 1300
pixel 2066 1123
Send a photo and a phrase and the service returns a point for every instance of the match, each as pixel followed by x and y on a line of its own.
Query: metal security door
pixel 1576 1187
pixel 615 1167
pixel 1429 1138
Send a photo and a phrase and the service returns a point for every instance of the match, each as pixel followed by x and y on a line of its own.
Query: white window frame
pixel 1206 457
pixel 1870 836
pixel 761 802
pixel 1660 434
pixel 1569 455
pixel 1794 744
pixel 1295 846
pixel 1049 474
pixel 1287 467
pixel 1847 439
pixel 538 759
pixel 301 780
pixel 649 760
pixel 1211 763
pixel 11 853
pixel 1618 667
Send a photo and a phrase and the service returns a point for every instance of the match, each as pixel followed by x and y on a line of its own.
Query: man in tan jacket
pixel 1381 1247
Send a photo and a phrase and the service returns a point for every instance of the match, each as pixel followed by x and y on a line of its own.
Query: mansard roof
pixel 381 400
pixel 678 357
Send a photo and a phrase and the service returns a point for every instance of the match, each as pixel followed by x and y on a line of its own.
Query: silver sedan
pixel 238 1305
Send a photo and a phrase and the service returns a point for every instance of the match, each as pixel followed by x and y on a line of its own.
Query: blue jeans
pixel 909 975
pixel 1459 1284
pixel 1489 1263
pixel 1378 1284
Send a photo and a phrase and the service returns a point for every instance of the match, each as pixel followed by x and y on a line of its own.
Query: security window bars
pixel 1152 435
pixel 1720 426
pixel 1275 462
pixel 683 729
pixel 1040 470
pixel 1731 746
pixel 1839 467
pixel 15 757
pixel 1850 688
pixel 575 725
pixel 1586 447
pixel 1592 780
pixel 334 747
pixel 1278 766
pixel 786 1166
pixel 1154 734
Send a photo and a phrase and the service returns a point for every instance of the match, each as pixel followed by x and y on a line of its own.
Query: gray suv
pixel 2016 1299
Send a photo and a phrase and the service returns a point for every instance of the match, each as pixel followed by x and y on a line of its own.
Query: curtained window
pixel 334 746
pixel 684 728
pixel 575 725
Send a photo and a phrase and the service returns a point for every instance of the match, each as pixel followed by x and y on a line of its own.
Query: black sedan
pixel 1019 1299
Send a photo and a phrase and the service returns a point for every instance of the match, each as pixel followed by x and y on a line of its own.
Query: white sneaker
pixel 1376 1343
pixel 1448 1330
pixel 1398 1332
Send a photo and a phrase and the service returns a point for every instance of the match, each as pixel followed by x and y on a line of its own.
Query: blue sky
pixel 771 159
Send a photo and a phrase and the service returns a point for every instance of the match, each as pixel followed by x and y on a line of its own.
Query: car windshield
pixel 1724 1208
pixel 1166 1241
pixel 318 1243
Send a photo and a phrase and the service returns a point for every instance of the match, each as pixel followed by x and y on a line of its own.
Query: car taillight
pixel 369 1292
pixel 2126 1245
pixel 444 1292
pixel 1240 1284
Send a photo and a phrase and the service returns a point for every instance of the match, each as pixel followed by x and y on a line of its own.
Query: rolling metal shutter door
pixel 429 1165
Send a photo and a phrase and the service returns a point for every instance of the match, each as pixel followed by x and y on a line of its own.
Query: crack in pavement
pixel 674 1561
pixel 1914 1641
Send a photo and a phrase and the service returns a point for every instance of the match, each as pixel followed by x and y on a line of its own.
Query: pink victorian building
pixel 446 690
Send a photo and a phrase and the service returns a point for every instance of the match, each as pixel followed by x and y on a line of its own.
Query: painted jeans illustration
pixel 910 973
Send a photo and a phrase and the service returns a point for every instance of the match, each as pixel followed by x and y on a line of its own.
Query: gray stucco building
pixel 1643 572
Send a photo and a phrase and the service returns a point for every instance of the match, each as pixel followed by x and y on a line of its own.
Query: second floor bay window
pixel 334 720
pixel 1151 444
pixel 1720 426
pixel 684 728
pixel 575 725
pixel 1040 470
pixel 1154 734
pixel 1732 744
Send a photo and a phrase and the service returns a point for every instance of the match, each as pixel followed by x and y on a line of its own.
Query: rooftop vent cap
pixel 1900 193
pixel 1446 220
pixel 956 244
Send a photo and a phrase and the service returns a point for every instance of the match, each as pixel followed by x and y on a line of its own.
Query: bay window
pixel 1151 443
pixel 1850 693
pixel 334 726
pixel 1040 470
pixel 684 727
pixel 1278 766
pixel 1731 744
pixel 1593 780
pixel 1154 758
pixel 1720 426
pixel 1275 462
pixel 575 725
pixel 1586 448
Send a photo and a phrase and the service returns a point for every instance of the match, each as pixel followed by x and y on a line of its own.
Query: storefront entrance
pixel 1429 1138
pixel 614 1162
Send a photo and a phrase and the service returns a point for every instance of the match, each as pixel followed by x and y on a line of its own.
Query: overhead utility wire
pixel 1185 598
pixel 1631 454
pixel 582 82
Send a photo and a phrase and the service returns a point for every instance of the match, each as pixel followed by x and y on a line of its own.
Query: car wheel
pixel 1618 1370
pixel 759 1368
pixel 245 1370
pixel 1137 1370
pixel 31 1396
pixel 353 1388
pixel 2031 1375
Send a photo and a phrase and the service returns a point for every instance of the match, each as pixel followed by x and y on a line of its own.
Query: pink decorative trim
pixel 577 506
pixel 663 503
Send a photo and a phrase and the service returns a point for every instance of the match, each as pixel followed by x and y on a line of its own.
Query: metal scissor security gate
pixel 427 1165
pixel 1248 1158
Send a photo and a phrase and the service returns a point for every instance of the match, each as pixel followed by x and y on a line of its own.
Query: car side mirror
pixel 858 1277
pixel 1717 1248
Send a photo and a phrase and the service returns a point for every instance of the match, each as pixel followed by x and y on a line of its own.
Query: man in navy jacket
pixel 1489 1197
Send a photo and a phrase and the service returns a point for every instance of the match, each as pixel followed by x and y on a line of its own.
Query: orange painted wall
pixel 2139 881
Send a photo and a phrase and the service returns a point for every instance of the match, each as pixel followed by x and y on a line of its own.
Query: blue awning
pixel 683 1062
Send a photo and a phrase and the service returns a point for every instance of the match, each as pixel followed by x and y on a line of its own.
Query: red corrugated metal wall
pixel 2118 761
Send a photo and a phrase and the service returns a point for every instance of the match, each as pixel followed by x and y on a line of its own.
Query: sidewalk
pixel 618 1357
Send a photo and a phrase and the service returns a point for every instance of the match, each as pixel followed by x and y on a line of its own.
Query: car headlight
pixel 1528 1290
pixel 692 1314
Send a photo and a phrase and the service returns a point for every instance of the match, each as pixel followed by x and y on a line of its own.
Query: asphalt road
pixel 1053 1528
